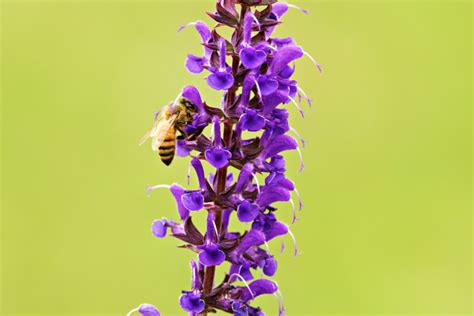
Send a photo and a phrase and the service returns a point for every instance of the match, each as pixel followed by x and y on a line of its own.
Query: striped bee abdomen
pixel 168 147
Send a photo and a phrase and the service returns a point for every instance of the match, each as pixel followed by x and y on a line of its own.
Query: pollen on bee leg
pixel 159 186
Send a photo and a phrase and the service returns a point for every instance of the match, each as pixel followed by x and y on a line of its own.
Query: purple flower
pixel 211 255
pixel 267 85
pixel 178 192
pixel 193 200
pixel 148 310
pixel 192 302
pixel 257 288
pixel 195 64
pixel 252 58
pixel 246 211
pixel 159 228
pixel 221 78
pixel 218 157
pixel 270 266
pixel 252 121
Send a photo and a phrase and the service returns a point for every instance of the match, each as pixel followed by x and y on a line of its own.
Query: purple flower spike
pixel 218 157
pixel 193 200
pixel 148 310
pixel 246 211
pixel 252 121
pixel 192 302
pixel 159 228
pixel 252 58
pixel 243 137
pixel 211 255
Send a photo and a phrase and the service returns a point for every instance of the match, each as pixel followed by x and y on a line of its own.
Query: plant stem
pixel 221 173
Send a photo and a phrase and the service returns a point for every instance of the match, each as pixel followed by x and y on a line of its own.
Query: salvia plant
pixel 254 71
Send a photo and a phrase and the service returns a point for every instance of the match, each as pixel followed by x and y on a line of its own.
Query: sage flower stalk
pixel 254 70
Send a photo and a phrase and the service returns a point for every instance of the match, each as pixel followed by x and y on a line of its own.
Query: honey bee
pixel 170 119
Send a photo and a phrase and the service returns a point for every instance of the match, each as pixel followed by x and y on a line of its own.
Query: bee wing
pixel 160 117
pixel 149 133
pixel 159 133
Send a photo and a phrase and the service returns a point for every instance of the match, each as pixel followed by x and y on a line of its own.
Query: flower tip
pixel 300 170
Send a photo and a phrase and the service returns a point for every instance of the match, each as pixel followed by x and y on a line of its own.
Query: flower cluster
pixel 254 70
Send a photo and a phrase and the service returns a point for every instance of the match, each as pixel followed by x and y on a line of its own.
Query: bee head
pixel 188 105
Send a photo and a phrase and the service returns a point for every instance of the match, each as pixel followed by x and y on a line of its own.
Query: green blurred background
pixel 386 227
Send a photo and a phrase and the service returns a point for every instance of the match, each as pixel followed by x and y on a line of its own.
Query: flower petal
pixel 194 64
pixel 252 58
pixel 279 144
pixel 192 94
pixel 246 211
pixel 177 192
pixel 220 80
pixel 258 287
pixel 193 200
pixel 218 157
pixel 159 228
pixel 252 121
pixel 148 310
pixel 270 266
pixel 267 85
pixel 211 255
pixel 192 302
pixel 283 57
